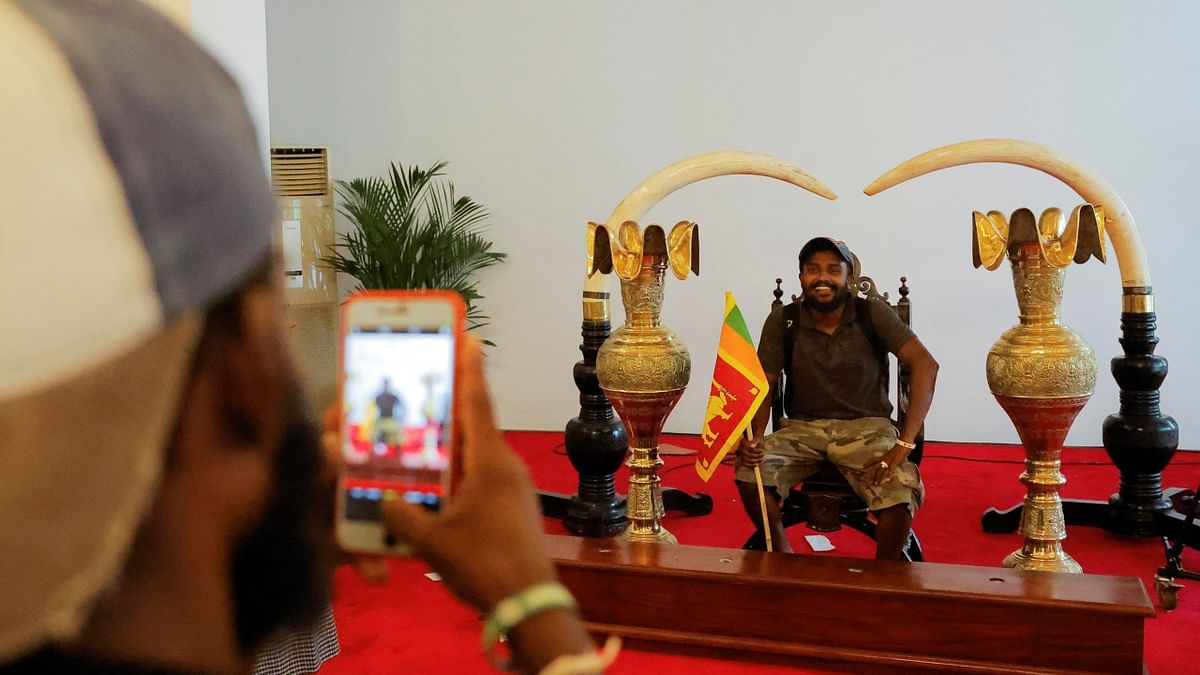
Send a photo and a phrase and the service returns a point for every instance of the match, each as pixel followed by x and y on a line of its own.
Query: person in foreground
pixel 165 499
pixel 833 347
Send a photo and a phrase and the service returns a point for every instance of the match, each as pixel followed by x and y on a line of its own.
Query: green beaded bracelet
pixel 511 611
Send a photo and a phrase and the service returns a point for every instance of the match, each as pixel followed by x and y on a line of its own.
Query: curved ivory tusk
pixel 1127 242
pixel 693 169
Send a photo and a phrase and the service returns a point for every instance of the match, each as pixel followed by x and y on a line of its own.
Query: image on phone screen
pixel 396 417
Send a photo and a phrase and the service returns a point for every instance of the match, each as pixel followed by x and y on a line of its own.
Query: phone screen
pixel 396 407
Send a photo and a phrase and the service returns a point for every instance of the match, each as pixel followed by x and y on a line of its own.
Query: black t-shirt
pixel 836 376
pixel 388 404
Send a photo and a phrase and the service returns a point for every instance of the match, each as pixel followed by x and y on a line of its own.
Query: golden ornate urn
pixel 1040 371
pixel 643 367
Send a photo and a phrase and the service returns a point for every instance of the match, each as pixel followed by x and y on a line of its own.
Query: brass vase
pixel 643 368
pixel 1040 371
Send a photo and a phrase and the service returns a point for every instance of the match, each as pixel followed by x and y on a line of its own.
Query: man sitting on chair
pixel 837 402
pixel 389 424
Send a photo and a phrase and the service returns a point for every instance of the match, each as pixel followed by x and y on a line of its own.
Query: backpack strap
pixel 791 329
pixel 862 314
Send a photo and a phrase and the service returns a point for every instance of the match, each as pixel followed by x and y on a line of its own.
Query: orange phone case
pixel 455 301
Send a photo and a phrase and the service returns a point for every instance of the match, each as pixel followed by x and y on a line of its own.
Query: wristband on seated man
pixel 905 444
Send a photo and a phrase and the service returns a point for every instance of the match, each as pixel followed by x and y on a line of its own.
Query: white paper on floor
pixel 818 542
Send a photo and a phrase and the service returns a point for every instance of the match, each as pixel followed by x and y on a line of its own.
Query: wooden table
pixel 852 614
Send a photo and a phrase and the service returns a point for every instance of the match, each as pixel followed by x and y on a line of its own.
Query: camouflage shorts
pixel 796 451
pixel 387 430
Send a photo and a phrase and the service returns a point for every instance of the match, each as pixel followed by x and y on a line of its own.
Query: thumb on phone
pixel 410 523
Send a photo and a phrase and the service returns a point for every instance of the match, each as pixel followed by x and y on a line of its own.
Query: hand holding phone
pixel 397 428
pixel 487 542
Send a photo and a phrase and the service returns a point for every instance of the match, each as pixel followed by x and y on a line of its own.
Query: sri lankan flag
pixel 738 388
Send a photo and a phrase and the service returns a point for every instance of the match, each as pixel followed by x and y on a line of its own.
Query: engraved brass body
pixel 1041 372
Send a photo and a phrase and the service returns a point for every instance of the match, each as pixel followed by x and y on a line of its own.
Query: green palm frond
pixel 412 231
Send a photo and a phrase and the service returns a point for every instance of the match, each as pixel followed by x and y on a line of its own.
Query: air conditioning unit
pixel 307 231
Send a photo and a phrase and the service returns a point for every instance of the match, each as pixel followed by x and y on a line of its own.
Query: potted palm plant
pixel 410 231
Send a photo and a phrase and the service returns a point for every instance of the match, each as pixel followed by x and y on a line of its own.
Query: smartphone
pixel 397 384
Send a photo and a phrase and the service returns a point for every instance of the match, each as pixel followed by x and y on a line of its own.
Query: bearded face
pixel 825 281
pixel 281 567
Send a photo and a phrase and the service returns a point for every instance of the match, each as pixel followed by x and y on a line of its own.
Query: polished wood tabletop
pixel 805 609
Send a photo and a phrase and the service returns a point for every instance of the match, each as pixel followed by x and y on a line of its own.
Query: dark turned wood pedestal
pixel 854 615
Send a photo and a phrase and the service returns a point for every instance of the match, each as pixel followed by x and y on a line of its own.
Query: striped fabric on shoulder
pixel 293 652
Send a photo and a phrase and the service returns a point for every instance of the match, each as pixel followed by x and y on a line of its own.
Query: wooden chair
pixel 825 501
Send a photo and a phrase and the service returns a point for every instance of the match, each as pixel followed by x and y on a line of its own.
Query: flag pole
pixel 762 498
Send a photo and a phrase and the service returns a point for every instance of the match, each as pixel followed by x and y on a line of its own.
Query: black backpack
pixel 862 316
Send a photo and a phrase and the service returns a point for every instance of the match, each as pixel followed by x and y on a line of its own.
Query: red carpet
pixel 412 625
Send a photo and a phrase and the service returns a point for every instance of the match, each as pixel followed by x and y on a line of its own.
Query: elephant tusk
pixel 694 169
pixel 1126 241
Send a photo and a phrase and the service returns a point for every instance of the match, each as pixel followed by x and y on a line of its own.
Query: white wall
pixel 550 112
pixel 235 31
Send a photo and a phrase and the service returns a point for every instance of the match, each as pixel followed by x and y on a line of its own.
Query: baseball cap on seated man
pixel 135 197
pixel 835 246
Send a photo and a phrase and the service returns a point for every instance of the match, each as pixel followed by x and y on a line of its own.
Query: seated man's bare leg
pixel 749 494
pixel 789 458
pixel 892 532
